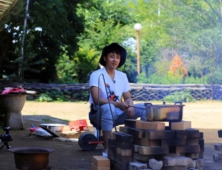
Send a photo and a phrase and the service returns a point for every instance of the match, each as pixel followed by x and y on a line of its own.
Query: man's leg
pixel 106 136
pixel 140 111
pixel 107 115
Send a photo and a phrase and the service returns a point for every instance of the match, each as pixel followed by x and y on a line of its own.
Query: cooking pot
pixel 34 158
pixel 164 112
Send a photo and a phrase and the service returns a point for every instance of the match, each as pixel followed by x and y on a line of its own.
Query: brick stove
pixel 152 145
pixel 218 149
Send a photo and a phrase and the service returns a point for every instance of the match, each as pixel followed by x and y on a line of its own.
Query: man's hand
pixel 123 106
pixel 126 108
pixel 129 102
pixel 130 111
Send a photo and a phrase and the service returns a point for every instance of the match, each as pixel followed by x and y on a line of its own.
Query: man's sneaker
pixel 105 154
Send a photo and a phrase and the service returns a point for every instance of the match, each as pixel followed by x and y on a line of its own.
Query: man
pixel 108 87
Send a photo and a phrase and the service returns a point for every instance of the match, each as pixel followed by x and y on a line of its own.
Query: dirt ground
pixel 205 116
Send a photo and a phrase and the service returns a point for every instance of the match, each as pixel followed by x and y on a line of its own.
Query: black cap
pixel 113 47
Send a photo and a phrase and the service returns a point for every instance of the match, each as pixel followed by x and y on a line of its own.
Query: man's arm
pixel 127 98
pixel 97 98
pixel 129 102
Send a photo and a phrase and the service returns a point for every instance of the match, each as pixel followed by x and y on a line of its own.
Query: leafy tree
pixel 187 26
pixel 104 24
pixel 59 28
pixel 10 35
pixel 177 67
pixel 74 33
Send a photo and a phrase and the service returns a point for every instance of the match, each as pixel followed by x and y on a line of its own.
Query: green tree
pixel 187 26
pixel 60 27
pixel 104 23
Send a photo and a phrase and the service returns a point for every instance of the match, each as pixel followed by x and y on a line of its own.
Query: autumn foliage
pixel 177 67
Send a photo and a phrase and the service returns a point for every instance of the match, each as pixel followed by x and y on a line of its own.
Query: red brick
pixel 183 125
pixel 121 165
pixel 111 155
pixel 142 158
pixel 160 134
pixel 180 134
pixel 136 133
pixel 112 142
pixel 220 133
pixel 153 150
pixel 173 142
pixel 192 141
pixel 124 152
pixel 188 149
pixel 155 142
pixel 147 142
pixel 133 123
pixel 124 158
pixel 188 133
pixel 201 143
pixel 135 148
pixel 153 125
pixel 201 155
pixel 100 161
pixel 112 149
pixel 124 145
pixel 93 167
pixel 192 155
pixel 193 133
pixel 122 137
pixel 141 141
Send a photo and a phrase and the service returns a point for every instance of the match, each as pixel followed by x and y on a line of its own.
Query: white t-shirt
pixel 117 86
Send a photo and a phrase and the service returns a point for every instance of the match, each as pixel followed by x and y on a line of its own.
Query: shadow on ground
pixel 69 156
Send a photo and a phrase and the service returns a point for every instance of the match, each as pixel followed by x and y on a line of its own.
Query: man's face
pixel 112 60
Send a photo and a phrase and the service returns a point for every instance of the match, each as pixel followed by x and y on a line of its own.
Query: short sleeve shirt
pixel 107 86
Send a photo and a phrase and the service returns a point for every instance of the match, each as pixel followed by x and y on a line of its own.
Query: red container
pixel 78 125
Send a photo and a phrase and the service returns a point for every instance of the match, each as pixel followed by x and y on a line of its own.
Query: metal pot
pixel 53 127
pixel 35 158
pixel 164 112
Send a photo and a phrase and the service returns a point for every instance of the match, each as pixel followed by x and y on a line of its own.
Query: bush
pixel 44 98
pixel 52 96
pixel 179 97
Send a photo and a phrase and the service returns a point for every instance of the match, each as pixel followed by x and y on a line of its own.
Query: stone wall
pixel 140 92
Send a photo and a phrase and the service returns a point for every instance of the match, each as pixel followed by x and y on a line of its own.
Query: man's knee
pixel 107 107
